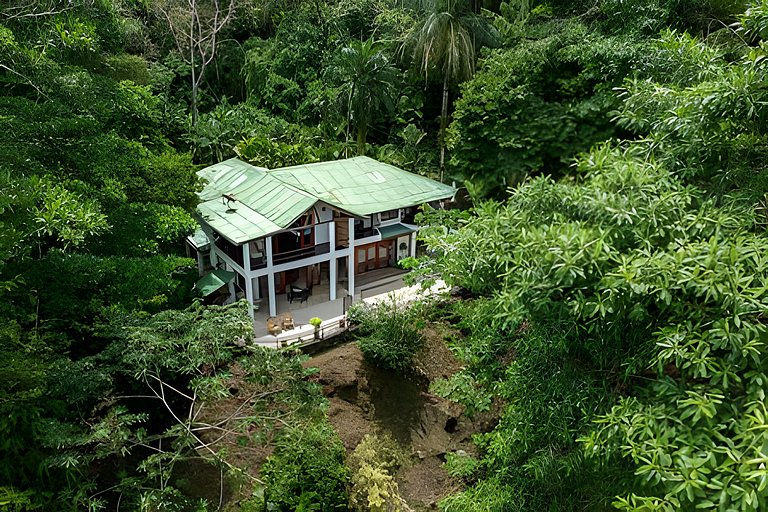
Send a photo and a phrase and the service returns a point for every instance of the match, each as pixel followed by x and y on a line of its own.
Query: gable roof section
pixel 260 204
pixel 362 185
pixel 243 202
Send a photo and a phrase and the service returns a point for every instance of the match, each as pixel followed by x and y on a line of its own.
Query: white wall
pixel 323 216
pixel 402 253
pixel 321 232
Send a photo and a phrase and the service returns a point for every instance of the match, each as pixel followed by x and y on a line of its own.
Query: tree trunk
pixel 362 130
pixel 443 126
pixel 194 103
pixel 195 80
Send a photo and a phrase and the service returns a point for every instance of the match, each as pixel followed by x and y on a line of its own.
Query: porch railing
pixel 307 338
pixel 299 254
pixel 365 232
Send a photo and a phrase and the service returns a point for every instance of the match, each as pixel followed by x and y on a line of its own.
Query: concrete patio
pixel 333 313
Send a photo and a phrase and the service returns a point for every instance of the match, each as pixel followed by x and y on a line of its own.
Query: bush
pixel 463 388
pixel 307 471
pixel 373 487
pixel 389 333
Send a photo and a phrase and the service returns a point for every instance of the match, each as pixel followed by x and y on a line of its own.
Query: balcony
pixel 361 232
pixel 300 254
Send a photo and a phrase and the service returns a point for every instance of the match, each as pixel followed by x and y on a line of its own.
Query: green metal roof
pixel 199 240
pixel 209 283
pixel 394 230
pixel 243 202
pixel 362 185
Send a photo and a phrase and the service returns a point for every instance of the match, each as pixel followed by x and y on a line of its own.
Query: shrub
pixel 463 388
pixel 389 333
pixel 373 487
pixel 307 471
pixel 461 465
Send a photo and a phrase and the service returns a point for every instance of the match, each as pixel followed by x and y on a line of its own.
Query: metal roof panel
pixel 244 202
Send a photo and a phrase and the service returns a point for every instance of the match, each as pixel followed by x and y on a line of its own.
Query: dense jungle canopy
pixel 611 244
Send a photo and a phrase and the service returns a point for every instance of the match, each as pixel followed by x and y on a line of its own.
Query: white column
pixel 200 266
pixel 272 296
pixel 351 259
pixel 268 248
pixel 271 279
pixel 332 263
pixel 232 295
pixel 412 245
pixel 248 278
pixel 214 258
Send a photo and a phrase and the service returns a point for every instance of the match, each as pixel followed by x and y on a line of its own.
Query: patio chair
pixel 294 293
pixel 286 321
pixel 274 325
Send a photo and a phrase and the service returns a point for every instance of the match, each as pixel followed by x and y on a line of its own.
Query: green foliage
pixel 445 42
pixel 533 107
pixel 709 127
pixel 621 306
pixel 277 71
pixel 373 463
pixel 144 229
pixel 461 465
pixel 293 147
pixel 754 21
pixel 165 178
pixel 70 291
pixel 307 470
pixel 315 321
pixel 642 272
pixel 462 388
pixel 389 333
pixel 183 342
pixel 411 152
pixel 367 86
pixel 220 130
pixel 649 17
pixel 38 214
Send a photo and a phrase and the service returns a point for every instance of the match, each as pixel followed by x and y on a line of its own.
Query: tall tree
pixel 446 42
pixel 195 26
pixel 367 85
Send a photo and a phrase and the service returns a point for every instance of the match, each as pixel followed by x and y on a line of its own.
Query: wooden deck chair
pixel 274 325
pixel 287 321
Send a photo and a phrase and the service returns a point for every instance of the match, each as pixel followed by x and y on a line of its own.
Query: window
pixel 390 214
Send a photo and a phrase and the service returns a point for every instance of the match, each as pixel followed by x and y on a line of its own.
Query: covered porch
pixel 319 303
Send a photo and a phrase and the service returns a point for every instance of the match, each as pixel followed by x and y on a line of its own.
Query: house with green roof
pixel 283 230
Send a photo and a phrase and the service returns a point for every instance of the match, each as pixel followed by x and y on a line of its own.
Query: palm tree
pixel 446 42
pixel 367 86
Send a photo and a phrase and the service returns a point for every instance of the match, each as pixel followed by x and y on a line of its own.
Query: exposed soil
pixel 364 399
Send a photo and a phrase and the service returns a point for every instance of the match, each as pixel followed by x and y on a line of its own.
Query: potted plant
pixel 315 322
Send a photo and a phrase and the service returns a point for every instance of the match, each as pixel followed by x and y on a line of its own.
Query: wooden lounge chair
pixel 286 321
pixel 274 325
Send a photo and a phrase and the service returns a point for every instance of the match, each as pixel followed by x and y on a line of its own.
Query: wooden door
pixel 307 230
pixel 373 256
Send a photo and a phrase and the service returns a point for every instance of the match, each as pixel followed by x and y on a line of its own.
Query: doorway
pixel 373 256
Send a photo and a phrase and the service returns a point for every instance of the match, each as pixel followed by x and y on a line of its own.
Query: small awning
pixel 394 230
pixel 209 283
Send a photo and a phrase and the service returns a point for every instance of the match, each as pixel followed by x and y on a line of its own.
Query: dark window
pixel 390 214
